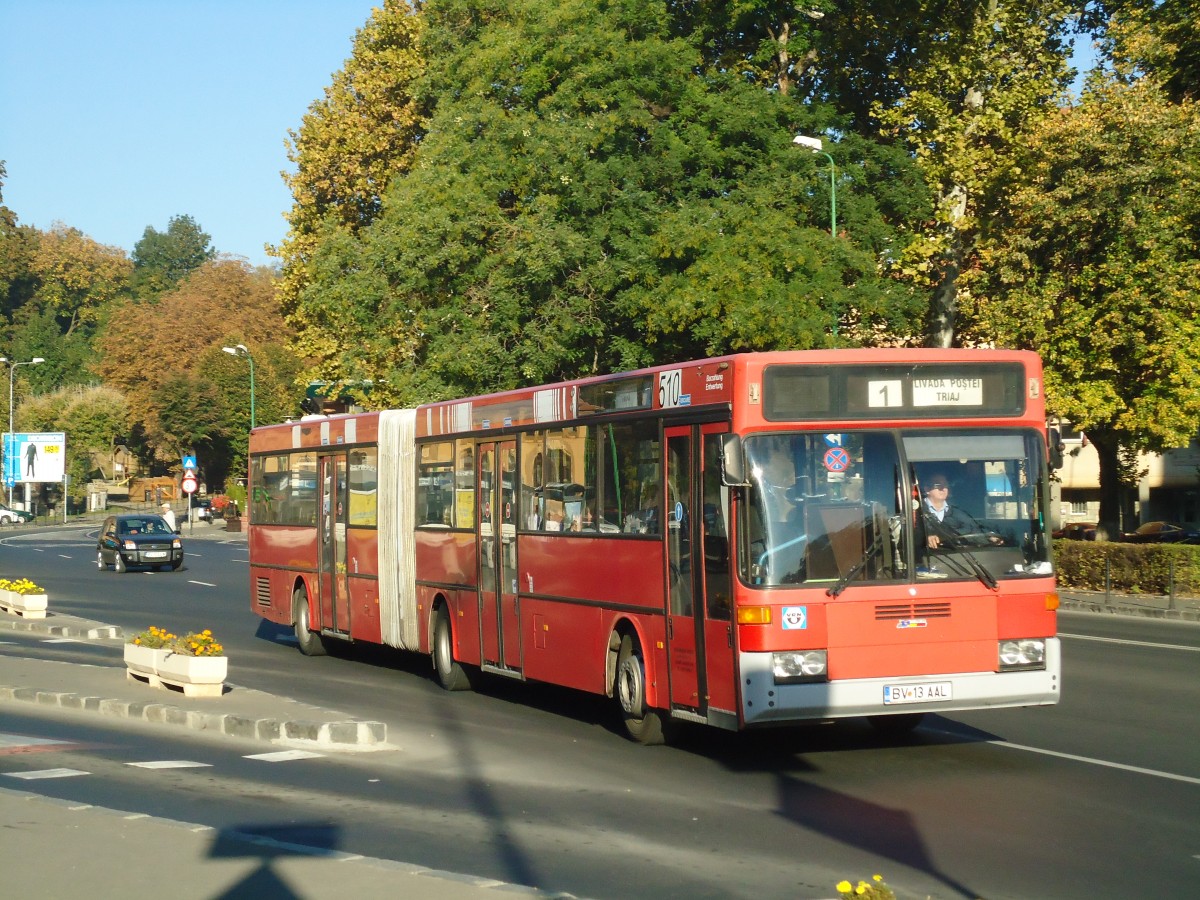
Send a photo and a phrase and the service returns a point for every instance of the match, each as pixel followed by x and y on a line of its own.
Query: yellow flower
pixel 843 887
pixel 877 877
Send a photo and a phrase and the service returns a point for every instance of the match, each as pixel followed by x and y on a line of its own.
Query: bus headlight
pixel 1023 654
pixel 799 666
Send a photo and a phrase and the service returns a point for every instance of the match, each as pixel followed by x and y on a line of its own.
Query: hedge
pixel 1132 568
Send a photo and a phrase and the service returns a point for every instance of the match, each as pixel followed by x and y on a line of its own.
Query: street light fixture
pixel 815 145
pixel 12 369
pixel 240 350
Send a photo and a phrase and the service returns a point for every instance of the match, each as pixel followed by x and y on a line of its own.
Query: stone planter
pixel 182 669
pixel 233 524
pixel 193 676
pixel 29 606
pixel 144 660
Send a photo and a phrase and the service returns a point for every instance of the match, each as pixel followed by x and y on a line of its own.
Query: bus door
pixel 699 625
pixel 499 615
pixel 331 563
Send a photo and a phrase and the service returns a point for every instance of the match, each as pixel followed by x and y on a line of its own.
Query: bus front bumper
pixel 765 702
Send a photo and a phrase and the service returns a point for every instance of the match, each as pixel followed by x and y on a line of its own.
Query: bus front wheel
pixel 309 641
pixel 450 673
pixel 646 726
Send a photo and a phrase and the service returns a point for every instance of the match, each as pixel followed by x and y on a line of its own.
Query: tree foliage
pixel 78 277
pixel 348 147
pixel 90 417
pixel 1094 265
pixel 155 352
pixel 163 259
pixel 581 201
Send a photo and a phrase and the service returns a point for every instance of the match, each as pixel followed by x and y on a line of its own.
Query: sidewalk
pixel 112 852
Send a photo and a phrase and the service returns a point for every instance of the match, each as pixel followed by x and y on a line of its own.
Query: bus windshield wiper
pixel 978 569
pixel 842 582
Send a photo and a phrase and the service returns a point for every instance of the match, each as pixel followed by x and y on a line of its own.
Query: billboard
pixel 34 458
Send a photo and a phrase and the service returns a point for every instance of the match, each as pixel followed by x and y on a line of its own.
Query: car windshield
pixel 846 507
pixel 143 526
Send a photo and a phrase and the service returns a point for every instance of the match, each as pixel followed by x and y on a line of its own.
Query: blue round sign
pixel 836 459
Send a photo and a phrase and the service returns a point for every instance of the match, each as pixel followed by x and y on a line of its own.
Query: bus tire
pixel 309 641
pixel 645 726
pixel 896 726
pixel 450 673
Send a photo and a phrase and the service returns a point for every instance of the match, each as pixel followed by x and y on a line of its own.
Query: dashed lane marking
pixel 170 764
pixel 285 755
pixel 45 773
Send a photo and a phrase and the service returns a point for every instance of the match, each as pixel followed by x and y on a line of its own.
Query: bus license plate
pixel 916 693
pixel 155 554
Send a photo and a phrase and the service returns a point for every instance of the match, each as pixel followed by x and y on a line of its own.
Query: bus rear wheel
pixel 309 641
pixel 645 726
pixel 450 673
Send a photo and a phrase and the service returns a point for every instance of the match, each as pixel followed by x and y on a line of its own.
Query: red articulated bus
pixel 742 541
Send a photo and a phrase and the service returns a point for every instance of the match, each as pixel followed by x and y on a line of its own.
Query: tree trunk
pixel 1107 450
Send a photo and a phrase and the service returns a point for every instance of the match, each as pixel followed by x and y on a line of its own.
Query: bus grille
pixel 888 611
pixel 262 591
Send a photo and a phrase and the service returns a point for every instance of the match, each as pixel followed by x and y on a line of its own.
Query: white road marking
pixel 285 755
pixel 202 583
pixel 170 764
pixel 1098 762
pixel 1105 640
pixel 21 740
pixel 61 641
pixel 45 773
pixel 64 556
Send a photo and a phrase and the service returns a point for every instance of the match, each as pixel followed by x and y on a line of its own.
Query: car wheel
pixel 119 564
pixel 175 566
pixel 6 520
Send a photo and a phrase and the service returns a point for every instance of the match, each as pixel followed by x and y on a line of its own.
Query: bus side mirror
pixel 1055 448
pixel 733 461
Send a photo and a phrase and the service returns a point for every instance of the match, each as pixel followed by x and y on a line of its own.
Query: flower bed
pixel 194 665
pixel 23 598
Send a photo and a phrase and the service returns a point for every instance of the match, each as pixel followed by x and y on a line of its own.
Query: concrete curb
pixel 105 689
pixel 348 734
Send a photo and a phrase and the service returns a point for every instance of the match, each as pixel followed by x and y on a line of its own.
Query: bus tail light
pixel 1023 654
pixel 800 666
pixel 754 615
pixel 1052 602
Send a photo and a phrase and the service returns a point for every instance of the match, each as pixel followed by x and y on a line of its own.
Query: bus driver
pixel 945 523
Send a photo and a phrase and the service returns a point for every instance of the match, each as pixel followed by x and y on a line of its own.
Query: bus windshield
pixel 878 506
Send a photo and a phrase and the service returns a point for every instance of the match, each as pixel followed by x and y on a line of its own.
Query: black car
pixel 138 540
pixel 1164 533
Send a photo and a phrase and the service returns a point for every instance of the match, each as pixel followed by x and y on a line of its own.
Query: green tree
pixel 1093 264
pixel 581 201
pixel 348 147
pixel 18 282
pixel 90 418
pixel 161 260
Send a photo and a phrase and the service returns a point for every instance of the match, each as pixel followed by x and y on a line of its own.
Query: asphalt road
pixel 536 785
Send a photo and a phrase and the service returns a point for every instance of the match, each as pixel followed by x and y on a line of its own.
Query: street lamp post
pixel 815 145
pixel 240 350
pixel 12 369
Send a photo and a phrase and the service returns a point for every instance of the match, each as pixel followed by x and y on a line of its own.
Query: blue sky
pixel 116 115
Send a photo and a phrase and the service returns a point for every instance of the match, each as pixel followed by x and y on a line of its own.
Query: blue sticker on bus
pixel 795 618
